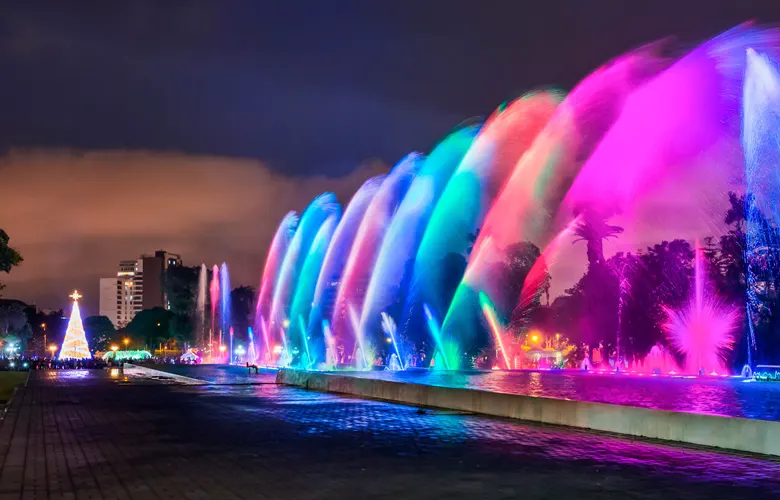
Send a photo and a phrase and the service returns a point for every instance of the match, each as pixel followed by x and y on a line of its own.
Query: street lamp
pixel 126 341
pixel 53 349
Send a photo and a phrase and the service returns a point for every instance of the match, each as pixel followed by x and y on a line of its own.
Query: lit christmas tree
pixel 75 344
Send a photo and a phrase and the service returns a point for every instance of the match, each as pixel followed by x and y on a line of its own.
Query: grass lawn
pixel 9 380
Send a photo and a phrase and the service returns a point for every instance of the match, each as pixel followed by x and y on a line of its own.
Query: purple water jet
pixel 702 332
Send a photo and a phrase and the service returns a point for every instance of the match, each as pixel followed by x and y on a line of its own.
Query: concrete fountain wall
pixel 741 434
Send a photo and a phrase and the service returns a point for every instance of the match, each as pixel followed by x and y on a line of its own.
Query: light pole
pixel 126 341
pixel 43 325
pixel 53 349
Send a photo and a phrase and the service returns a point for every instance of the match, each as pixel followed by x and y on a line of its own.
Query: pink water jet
pixel 273 264
pixel 702 332
pixel 529 200
pixel 365 248
pixel 214 296
pixel 678 125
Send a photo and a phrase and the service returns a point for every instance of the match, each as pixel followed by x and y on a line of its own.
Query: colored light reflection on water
pixel 727 396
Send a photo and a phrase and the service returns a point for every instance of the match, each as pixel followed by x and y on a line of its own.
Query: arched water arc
pixel 304 291
pixel 338 251
pixel 539 172
pixel 682 118
pixel 365 248
pixel 469 194
pixel 391 276
pixel 529 201
pixel 313 217
pixel 273 264
pixel 761 146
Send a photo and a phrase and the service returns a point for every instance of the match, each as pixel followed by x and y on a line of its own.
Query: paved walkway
pixel 80 434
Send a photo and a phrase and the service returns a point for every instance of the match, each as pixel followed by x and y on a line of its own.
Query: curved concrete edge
pixel 741 434
pixel 151 372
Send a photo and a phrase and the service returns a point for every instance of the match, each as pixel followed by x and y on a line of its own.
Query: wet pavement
pixel 219 374
pixel 85 435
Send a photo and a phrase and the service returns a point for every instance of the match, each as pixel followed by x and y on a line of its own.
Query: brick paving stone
pixel 83 435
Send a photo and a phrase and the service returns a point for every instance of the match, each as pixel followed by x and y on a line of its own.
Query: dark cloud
pixel 74 215
pixel 308 89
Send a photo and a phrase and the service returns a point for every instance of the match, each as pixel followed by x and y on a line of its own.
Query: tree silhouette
pixel 8 256
pixel 593 229
pixel 99 331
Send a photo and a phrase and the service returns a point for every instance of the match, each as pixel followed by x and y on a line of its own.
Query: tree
pixel 8 256
pixel 520 290
pixel 99 331
pixel 181 288
pixel 56 323
pixel 593 303
pixel 14 328
pixel 151 326
pixel 663 279
pixel 12 316
pixel 242 304
pixel 592 228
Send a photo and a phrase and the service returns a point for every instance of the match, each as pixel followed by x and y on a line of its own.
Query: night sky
pixel 133 126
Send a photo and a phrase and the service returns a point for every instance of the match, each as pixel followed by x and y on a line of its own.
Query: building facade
pixel 108 306
pixel 138 285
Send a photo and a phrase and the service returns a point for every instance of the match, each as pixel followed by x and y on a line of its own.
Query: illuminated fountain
pixel 273 264
pixel 359 266
pixel 458 248
pixel 251 351
pixel 388 325
pixel 332 269
pixel 301 304
pixel 293 262
pixel 760 140
pixel 224 313
pixel 391 275
pixel 214 296
pixel 464 203
pixel 201 321
pixel 703 332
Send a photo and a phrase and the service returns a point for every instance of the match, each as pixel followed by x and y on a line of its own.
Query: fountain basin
pixel 732 433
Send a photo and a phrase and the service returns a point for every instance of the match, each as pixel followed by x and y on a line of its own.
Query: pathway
pixel 80 434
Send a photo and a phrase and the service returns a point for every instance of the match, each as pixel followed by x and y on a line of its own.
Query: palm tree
pixel 593 229
pixel 737 212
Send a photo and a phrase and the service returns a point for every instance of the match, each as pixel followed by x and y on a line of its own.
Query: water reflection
pixel 717 396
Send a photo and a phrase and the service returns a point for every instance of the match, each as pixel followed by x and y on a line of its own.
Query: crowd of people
pixel 24 363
